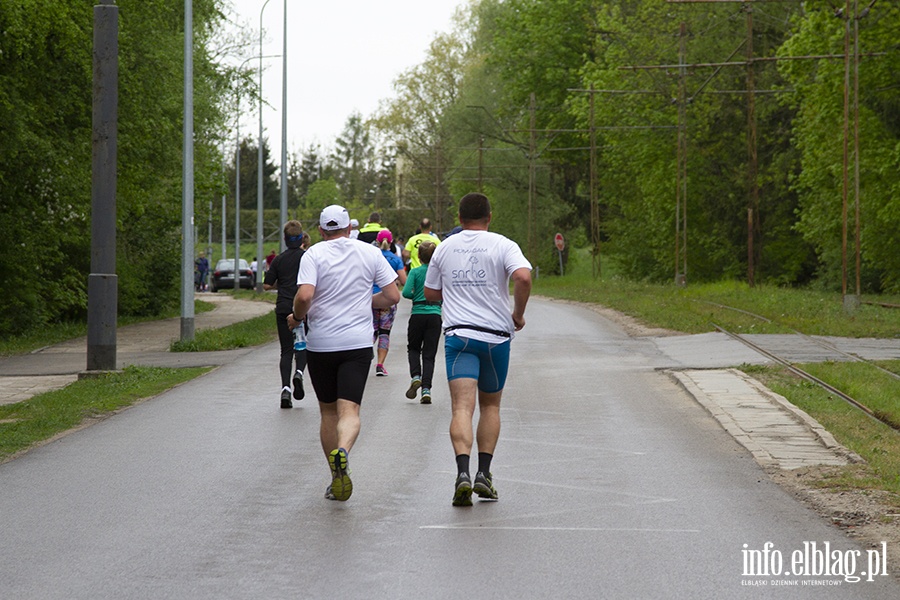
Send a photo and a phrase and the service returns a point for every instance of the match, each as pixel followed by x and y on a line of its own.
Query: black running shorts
pixel 341 374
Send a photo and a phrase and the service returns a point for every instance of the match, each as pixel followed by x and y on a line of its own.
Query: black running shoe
pixel 298 385
pixel 286 399
pixel 484 486
pixel 463 494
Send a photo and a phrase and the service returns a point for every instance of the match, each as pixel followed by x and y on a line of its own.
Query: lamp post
pixel 259 166
pixel 237 180
pixel 284 123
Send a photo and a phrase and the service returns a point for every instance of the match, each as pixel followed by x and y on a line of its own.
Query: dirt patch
pixel 868 516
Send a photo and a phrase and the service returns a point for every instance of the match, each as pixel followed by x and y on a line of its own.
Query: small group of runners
pixel 463 282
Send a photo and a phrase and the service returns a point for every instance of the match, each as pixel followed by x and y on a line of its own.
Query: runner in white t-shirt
pixel 335 293
pixel 470 273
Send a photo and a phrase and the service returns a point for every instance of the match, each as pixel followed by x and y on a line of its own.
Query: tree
pixel 353 160
pixel 45 156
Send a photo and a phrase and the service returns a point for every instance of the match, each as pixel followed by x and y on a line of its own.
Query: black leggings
pixel 286 339
pixel 423 337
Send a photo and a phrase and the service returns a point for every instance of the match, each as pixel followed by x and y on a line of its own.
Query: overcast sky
pixel 343 56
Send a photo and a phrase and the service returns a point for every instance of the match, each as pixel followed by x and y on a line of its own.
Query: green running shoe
pixel 414 386
pixel 484 486
pixel 426 396
pixel 341 486
pixel 463 494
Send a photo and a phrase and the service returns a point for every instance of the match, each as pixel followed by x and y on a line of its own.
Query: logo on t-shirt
pixel 473 275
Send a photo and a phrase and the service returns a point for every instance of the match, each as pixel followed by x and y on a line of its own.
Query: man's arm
pixel 302 301
pixel 433 295
pixel 521 291
pixel 387 297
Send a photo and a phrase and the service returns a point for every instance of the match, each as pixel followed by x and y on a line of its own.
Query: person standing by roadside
pixel 409 250
pixel 282 275
pixel 354 228
pixel 383 318
pixel 335 294
pixel 254 267
pixel 424 329
pixel 470 273
pixel 202 272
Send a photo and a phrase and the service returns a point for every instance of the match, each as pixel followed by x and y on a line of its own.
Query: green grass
pixel 40 418
pixel 61 332
pixel 252 332
pixel 693 309
pixel 875 442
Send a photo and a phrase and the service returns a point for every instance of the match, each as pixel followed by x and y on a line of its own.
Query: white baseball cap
pixel 334 217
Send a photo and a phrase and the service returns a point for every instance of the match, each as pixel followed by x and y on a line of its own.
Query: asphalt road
pixel 613 483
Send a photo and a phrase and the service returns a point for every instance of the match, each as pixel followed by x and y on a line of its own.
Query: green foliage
pixel 818 134
pixel 45 157
pixel 467 110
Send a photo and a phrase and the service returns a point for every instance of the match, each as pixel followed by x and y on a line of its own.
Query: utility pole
pixel 681 169
pixel 438 212
pixel 532 178
pixel 752 166
pixel 481 164
pixel 102 281
pixel 595 208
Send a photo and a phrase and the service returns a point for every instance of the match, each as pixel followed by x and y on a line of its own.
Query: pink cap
pixel 384 234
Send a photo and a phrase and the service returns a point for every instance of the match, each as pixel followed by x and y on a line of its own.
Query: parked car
pixel 223 275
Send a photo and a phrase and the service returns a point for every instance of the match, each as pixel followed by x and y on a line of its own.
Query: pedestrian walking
pixel 335 295
pixel 423 333
pixel 470 273
pixel 383 318
pixel 282 275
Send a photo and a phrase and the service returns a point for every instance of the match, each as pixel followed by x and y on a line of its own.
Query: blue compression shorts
pixel 473 359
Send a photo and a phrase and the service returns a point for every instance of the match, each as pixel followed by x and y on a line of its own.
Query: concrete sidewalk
pixel 144 344
pixel 777 433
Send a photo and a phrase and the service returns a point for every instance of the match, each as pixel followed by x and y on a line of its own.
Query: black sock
pixel 484 462
pixel 462 463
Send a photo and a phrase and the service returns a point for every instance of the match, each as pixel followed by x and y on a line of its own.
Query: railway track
pixel 876 415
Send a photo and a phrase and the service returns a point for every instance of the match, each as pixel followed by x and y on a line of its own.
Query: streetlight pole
pixel 259 166
pixel 284 124
pixel 237 180
pixel 187 202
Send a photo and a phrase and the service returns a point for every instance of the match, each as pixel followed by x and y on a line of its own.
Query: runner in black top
pixel 282 275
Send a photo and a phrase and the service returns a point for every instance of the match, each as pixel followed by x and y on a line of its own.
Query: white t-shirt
pixel 343 271
pixel 472 270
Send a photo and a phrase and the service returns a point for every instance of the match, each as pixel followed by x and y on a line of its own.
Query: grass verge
pixel 698 308
pixel 875 442
pixel 24 424
pixel 252 332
